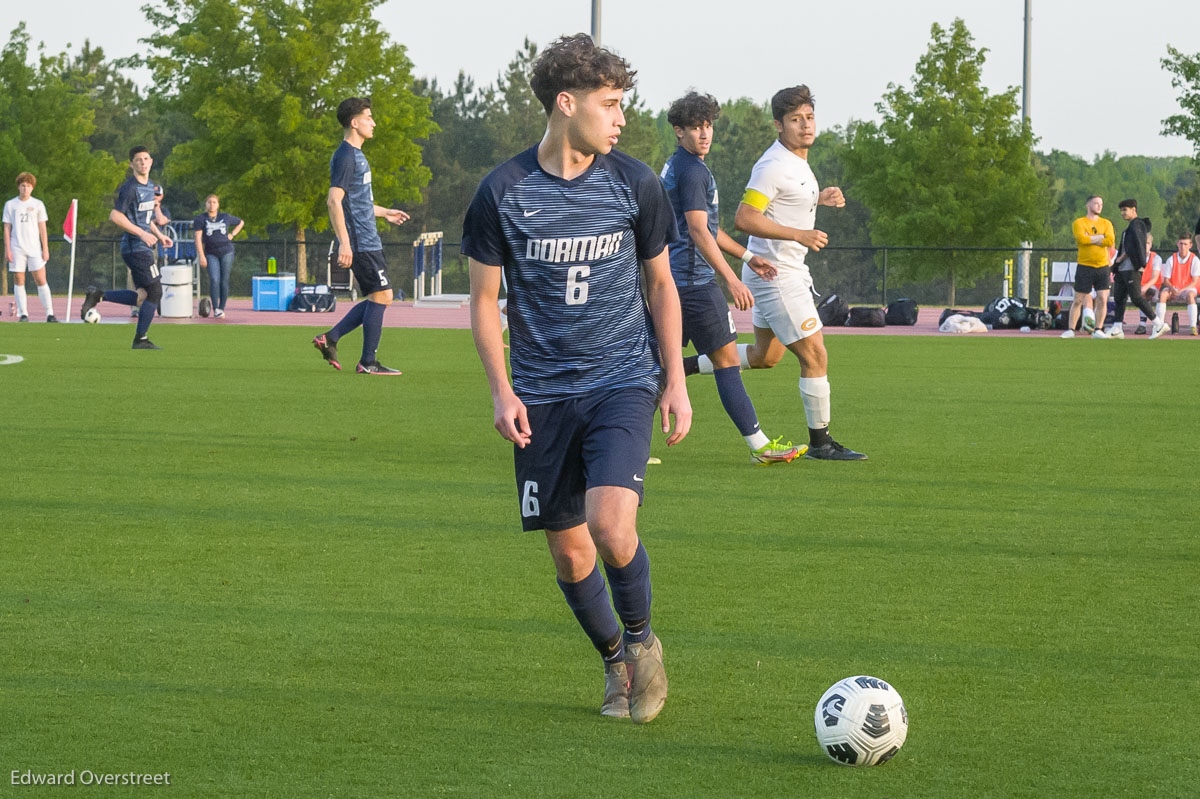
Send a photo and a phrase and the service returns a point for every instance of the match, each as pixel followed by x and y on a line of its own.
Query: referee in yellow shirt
pixel 1094 235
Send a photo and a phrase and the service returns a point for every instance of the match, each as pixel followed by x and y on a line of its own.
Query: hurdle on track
pixel 427 258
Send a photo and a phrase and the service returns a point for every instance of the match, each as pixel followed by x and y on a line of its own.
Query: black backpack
pixel 833 310
pixel 901 312
pixel 866 317
pixel 313 299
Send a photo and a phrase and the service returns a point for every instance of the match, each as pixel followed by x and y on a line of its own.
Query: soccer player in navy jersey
pixel 134 213
pixel 695 260
pixel 579 231
pixel 352 212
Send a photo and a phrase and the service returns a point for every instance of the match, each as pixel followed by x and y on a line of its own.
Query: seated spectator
pixel 1181 276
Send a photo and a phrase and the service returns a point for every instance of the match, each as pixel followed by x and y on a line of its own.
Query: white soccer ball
pixel 92 316
pixel 861 721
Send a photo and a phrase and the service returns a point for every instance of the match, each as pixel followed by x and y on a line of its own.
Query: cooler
pixel 273 292
pixel 177 290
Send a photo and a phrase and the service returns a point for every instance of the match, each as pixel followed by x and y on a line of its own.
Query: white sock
pixel 22 301
pixel 757 439
pixel 706 365
pixel 1192 315
pixel 814 393
pixel 1160 311
pixel 744 355
pixel 1088 314
pixel 47 302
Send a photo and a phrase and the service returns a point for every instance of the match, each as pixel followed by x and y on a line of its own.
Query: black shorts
pixel 1092 277
pixel 596 439
pixel 143 267
pixel 707 320
pixel 370 270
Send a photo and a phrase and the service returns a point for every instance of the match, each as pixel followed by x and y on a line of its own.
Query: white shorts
pixel 784 304
pixel 23 262
pixel 1186 294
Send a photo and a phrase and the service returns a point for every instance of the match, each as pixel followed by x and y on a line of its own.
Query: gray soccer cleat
pixel 648 682
pixel 616 691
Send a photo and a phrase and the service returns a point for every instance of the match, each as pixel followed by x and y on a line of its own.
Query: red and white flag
pixel 69 223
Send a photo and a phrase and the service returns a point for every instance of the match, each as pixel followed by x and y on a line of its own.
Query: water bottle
pixel 271 265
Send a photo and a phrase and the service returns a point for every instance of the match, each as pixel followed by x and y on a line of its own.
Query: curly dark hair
pixel 788 100
pixel 575 63
pixel 693 109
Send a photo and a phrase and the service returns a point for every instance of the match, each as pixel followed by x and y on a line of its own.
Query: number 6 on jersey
pixel 577 289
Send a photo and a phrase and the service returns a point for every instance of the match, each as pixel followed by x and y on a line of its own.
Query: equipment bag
pixel 901 312
pixel 313 299
pixel 833 310
pixel 946 314
pixel 866 317
pixel 1005 313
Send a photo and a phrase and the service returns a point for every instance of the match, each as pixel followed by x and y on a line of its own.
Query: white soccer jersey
pixel 787 183
pixel 24 218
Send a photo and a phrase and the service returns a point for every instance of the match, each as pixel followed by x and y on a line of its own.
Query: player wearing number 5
pixel 579 231
pixel 352 212
pixel 134 213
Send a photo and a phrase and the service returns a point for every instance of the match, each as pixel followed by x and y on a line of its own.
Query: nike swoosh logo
pixel 637 479
pixel 531 213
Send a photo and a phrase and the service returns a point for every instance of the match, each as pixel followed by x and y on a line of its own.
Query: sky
pixel 1097 83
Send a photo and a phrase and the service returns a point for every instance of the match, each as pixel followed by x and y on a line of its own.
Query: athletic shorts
pixel 25 261
pixel 1180 293
pixel 784 304
pixel 143 267
pixel 1088 278
pixel 597 439
pixel 707 320
pixel 370 270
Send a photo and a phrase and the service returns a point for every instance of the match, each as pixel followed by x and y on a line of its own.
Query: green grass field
pixel 229 562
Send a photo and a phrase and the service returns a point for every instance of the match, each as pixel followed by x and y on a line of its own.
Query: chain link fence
pixel 861 275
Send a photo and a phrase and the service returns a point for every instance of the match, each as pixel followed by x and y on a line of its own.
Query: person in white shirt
pixel 779 211
pixel 26 246
pixel 1181 280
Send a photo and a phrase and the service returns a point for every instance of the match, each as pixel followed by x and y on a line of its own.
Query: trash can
pixel 177 290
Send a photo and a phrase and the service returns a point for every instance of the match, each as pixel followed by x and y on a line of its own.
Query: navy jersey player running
pixel 695 260
pixel 579 231
pixel 352 212
pixel 134 212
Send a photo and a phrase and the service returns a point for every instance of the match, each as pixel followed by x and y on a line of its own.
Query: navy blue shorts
pixel 143 267
pixel 596 439
pixel 707 320
pixel 370 270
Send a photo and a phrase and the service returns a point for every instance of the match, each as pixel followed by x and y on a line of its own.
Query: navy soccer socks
pixel 735 399
pixel 352 319
pixel 588 600
pixel 631 595
pixel 121 296
pixel 372 325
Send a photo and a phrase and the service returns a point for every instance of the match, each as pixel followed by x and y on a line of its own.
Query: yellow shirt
pixel 1093 254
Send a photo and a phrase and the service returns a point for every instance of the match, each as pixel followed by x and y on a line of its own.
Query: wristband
pixel 746 256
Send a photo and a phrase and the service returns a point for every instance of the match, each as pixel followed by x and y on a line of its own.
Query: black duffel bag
pixel 866 317
pixel 833 310
pixel 313 299
pixel 901 312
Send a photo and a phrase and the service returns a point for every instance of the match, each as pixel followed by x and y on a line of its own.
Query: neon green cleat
pixel 776 452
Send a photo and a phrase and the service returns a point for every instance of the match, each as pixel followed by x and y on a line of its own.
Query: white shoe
pixel 1068 334
pixel 1099 334
pixel 218 313
pixel 1160 327
pixel 1116 332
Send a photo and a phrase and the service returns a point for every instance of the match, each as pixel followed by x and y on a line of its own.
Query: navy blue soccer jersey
pixel 691 186
pixel 571 251
pixel 349 171
pixel 135 201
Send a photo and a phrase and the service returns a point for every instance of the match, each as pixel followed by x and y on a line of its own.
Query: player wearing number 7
pixel 352 212
pixel 579 231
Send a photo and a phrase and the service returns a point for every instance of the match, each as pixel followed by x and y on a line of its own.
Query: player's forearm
pixel 729 245
pixel 663 301
pixel 337 220
pixel 45 238
pixel 711 252
pixel 120 220
pixel 752 221
pixel 486 329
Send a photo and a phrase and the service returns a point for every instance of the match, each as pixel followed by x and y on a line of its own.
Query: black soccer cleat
pixel 328 348
pixel 144 344
pixel 51 318
pixel 90 300
pixel 23 318
pixel 1141 329
pixel 833 451
pixel 375 368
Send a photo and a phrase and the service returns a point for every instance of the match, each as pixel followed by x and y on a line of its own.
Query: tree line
pixel 242 97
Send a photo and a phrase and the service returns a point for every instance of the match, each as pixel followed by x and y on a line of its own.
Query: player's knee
pixel 572 564
pixel 762 360
pixel 383 297
pixel 153 293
